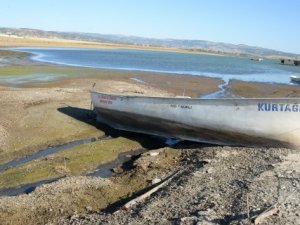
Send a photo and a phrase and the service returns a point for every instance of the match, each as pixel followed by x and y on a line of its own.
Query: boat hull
pixel 295 79
pixel 239 122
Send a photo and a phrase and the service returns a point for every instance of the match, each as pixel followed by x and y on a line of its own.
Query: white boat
pixel 295 79
pixel 257 59
pixel 239 122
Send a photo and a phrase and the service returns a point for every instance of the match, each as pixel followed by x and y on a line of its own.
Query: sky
pixel 265 23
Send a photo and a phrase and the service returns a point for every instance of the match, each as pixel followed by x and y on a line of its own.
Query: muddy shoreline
pixel 105 170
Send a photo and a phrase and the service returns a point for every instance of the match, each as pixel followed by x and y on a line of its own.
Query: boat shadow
pixel 147 141
pixel 89 117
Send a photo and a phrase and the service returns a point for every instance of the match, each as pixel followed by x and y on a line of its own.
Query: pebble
pixel 89 208
pixel 190 218
pixel 206 160
pixel 154 153
pixel 209 170
pixel 117 170
pixel 202 212
pixel 156 180
pixel 198 173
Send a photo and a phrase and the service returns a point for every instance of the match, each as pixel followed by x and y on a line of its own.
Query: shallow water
pixel 225 67
pixel 45 152
pixel 24 189
pixel 138 80
pixel 103 170
pixel 20 80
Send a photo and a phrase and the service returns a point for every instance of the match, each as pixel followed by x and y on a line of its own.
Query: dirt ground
pixel 83 194
pixel 218 185
pixel 30 119
pixel 263 90
pixel 214 184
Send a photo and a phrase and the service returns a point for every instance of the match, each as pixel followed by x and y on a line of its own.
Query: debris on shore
pixel 218 185
pixel 213 185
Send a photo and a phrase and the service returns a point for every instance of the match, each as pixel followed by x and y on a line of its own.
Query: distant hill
pixel 191 45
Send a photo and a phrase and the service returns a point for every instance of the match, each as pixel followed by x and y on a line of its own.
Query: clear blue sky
pixel 265 23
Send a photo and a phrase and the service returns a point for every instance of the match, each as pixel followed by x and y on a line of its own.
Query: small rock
pixel 143 166
pixel 206 160
pixel 198 173
pixel 180 187
pixel 154 153
pixel 190 218
pixel 202 212
pixel 209 170
pixel 117 170
pixel 89 208
pixel 205 222
pixel 156 180
pixel 75 216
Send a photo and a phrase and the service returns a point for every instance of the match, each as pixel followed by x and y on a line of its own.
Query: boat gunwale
pixel 190 98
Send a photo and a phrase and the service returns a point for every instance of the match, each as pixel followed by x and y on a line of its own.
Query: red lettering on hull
pixel 107 99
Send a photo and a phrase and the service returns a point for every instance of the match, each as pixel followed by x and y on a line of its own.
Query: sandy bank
pixel 14 41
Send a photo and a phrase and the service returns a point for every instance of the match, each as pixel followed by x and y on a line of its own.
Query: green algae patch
pixel 82 194
pixel 60 70
pixel 73 161
pixel 87 157
pixel 13 54
pixel 45 69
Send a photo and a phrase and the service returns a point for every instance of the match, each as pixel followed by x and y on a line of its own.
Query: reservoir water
pixel 225 67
